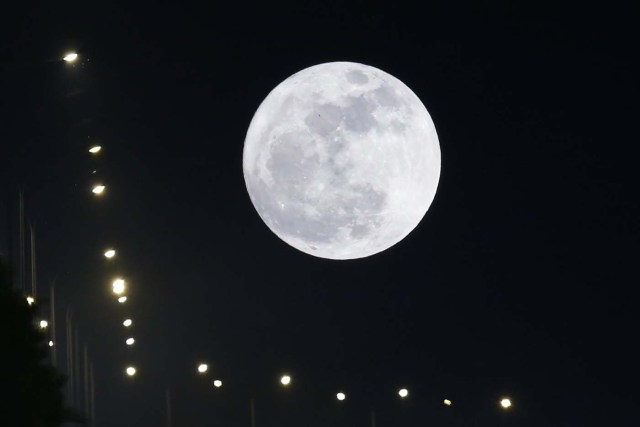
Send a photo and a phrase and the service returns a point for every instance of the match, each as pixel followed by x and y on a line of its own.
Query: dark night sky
pixel 520 280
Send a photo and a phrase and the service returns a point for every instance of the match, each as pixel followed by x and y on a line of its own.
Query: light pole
pixel 168 402
pixel 92 396
pixel 252 408
pixel 70 381
pixel 52 302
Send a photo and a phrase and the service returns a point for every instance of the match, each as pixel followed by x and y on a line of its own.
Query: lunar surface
pixel 341 160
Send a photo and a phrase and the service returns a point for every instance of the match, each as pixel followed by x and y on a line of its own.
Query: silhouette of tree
pixel 31 387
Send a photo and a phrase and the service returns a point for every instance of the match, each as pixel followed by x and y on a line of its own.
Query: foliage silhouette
pixel 31 388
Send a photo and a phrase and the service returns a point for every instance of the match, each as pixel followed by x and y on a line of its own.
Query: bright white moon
pixel 341 160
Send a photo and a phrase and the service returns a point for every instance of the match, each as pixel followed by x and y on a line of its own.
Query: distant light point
pixel 98 189
pixel 203 368
pixel 130 341
pixel 403 393
pixel 505 403
pixel 110 253
pixel 44 324
pixel 50 343
pixel 285 380
pixel 447 402
pixel 119 286
pixel 122 300
pixel 341 396
pixel 70 57
pixel 30 300
pixel 95 149
pixel 127 323
pixel 217 383
pixel 131 371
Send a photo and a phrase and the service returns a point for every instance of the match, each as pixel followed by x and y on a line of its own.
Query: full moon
pixel 341 160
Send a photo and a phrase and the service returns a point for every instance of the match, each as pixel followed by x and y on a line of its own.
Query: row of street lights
pixel 341 396
pixel 286 381
pixel 119 285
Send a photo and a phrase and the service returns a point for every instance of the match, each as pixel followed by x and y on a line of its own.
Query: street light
pixel 118 286
pixel 203 368
pixel 217 383
pixel 130 341
pixel 403 393
pixel 110 253
pixel 505 403
pixel 70 57
pixel 127 323
pixel 98 190
pixel 285 380
pixel 122 300
pixel 44 324
pixel 50 343
pixel 131 371
pixel 30 300
pixel 447 402
pixel 95 149
pixel 341 396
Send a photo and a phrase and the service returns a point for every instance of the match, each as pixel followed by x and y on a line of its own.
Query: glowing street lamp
pixel 127 323
pixel 447 402
pixel 30 300
pixel 131 371
pixel 50 343
pixel 203 368
pixel 505 403
pixel 70 57
pixel 341 396
pixel 118 286
pixel 44 324
pixel 122 299
pixel 285 380
pixel 95 149
pixel 217 383
pixel 403 393
pixel 98 190
pixel 110 253
pixel 130 341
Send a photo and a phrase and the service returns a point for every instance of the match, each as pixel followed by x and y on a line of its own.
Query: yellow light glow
pixel 130 341
pixel 341 396
pixel 98 189
pixel 285 380
pixel 30 300
pixel 217 383
pixel 44 324
pixel 447 402
pixel 127 323
pixel 70 57
pixel 203 368
pixel 505 403
pixel 95 149
pixel 110 253
pixel 118 286
pixel 122 300
pixel 50 343
pixel 131 371
pixel 403 393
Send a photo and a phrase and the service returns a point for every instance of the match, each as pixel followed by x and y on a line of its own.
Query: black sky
pixel 520 280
